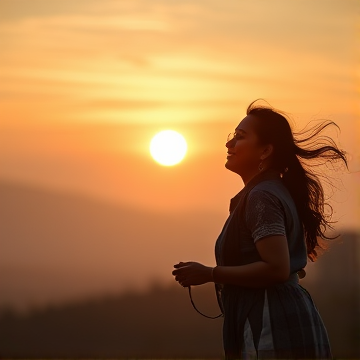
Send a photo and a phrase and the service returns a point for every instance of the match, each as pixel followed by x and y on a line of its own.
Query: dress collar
pixel 262 176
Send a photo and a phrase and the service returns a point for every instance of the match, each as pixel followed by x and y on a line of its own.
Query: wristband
pixel 212 273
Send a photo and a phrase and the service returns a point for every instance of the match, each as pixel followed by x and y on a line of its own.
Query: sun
pixel 168 147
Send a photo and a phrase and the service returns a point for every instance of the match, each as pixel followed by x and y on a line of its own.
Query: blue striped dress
pixel 281 321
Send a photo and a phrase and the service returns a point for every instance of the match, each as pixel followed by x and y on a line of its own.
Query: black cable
pixel 192 302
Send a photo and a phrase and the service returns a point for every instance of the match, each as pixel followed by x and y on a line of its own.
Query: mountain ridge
pixel 53 244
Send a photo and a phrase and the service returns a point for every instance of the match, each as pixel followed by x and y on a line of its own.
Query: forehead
pixel 246 124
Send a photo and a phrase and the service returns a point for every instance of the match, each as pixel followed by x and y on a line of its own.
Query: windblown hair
pixel 292 157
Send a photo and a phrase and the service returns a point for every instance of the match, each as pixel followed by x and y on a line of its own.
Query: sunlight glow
pixel 168 147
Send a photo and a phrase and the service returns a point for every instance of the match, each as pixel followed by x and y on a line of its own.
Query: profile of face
pixel 245 152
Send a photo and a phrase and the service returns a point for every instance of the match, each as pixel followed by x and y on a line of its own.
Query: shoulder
pixel 270 185
pixel 269 190
pixel 273 190
pixel 265 213
pixel 265 202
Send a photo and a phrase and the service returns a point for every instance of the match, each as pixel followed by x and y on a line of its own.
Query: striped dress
pixel 278 322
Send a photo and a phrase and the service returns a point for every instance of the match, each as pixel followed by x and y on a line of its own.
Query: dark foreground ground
pixel 162 324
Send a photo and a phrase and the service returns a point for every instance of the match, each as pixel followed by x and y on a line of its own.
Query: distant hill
pixel 69 251
pixel 161 323
pixel 58 246
pixel 158 324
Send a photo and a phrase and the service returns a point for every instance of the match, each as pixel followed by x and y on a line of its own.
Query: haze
pixel 84 85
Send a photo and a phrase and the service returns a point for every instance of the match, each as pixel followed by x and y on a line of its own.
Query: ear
pixel 267 151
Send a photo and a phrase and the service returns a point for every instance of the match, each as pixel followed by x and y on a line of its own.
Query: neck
pixel 250 176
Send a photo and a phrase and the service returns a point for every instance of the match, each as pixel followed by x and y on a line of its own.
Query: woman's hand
pixel 192 273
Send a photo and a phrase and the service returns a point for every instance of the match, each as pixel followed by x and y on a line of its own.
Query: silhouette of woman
pixel 274 225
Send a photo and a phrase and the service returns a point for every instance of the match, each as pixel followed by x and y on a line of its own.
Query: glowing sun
pixel 168 147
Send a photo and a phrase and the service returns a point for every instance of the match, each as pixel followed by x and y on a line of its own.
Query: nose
pixel 229 143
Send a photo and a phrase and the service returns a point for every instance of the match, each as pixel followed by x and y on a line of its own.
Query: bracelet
pixel 212 273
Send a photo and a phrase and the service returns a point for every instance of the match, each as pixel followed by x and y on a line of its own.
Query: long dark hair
pixel 292 157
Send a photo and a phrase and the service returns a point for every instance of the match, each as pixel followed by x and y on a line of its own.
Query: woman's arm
pixel 273 268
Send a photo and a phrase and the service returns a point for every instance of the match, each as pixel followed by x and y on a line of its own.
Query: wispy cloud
pixel 169 51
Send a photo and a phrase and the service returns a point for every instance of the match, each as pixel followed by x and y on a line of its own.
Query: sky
pixel 86 84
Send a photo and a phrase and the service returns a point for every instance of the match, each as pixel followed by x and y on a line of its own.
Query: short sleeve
pixel 264 215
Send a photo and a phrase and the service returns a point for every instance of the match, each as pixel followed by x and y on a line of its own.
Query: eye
pixel 238 136
pixel 235 136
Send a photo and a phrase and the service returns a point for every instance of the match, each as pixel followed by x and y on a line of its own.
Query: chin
pixel 229 167
pixel 233 168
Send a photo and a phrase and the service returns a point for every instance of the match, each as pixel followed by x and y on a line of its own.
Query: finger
pixel 181 270
pixel 185 283
pixel 178 272
pixel 181 278
pixel 182 264
pixel 181 282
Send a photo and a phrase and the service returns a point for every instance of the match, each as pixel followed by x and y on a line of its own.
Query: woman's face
pixel 244 151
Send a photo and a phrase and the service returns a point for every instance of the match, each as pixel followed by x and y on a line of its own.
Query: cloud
pixel 124 55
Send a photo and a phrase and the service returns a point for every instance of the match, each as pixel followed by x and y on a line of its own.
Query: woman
pixel 274 225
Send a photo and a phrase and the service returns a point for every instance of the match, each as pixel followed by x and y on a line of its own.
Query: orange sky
pixel 85 84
